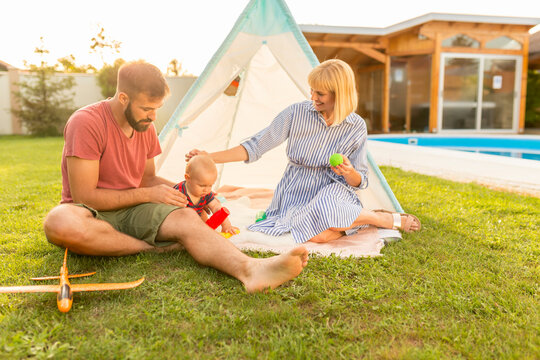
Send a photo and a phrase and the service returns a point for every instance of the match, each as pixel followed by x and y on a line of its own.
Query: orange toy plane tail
pixel 65 289
pixel 63 267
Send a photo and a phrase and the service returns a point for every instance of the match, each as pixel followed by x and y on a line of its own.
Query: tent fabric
pixel 270 57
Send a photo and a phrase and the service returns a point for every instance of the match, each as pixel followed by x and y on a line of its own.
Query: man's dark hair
pixel 140 77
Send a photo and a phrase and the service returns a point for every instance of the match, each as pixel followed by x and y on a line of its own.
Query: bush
pixel 532 104
pixel 45 102
pixel 107 78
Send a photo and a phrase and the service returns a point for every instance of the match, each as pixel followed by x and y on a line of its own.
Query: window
pixel 503 42
pixel 461 40
pixel 232 89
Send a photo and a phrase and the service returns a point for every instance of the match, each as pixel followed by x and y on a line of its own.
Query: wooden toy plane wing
pixel 30 289
pixel 106 286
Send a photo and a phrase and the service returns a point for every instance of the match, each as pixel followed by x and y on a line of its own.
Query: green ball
pixel 336 159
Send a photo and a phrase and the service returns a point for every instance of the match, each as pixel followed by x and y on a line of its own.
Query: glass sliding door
pixel 370 90
pixel 410 93
pixel 460 93
pixel 479 92
pixel 398 94
pixel 498 94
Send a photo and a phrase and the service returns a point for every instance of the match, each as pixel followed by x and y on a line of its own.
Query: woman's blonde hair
pixel 336 76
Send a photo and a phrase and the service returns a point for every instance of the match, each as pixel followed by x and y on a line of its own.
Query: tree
pixel 532 107
pixel 175 68
pixel 107 77
pixel 69 66
pixel 101 44
pixel 45 102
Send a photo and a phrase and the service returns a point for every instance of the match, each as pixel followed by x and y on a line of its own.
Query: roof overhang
pixel 5 65
pixel 354 30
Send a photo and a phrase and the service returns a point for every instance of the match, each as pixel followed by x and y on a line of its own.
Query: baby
pixel 201 174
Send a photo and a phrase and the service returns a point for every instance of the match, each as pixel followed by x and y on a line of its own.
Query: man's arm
pixel 83 178
pixel 150 178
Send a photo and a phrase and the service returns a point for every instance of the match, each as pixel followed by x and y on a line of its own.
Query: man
pixel 113 203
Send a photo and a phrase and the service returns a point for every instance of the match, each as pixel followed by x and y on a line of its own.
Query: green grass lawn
pixel 466 286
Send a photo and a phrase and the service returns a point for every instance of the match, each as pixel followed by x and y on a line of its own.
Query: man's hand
pixel 165 194
pixel 195 152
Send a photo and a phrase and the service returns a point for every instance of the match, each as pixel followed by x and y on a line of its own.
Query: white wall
pixel 5 106
pixel 86 91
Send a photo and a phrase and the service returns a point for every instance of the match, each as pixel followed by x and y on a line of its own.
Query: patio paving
pixel 497 172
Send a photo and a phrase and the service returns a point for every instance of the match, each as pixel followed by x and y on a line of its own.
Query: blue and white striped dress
pixel 310 197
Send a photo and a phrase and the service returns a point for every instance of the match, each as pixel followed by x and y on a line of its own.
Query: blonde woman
pixel 315 201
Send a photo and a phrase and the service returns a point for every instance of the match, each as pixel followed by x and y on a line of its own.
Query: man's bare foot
pixel 271 272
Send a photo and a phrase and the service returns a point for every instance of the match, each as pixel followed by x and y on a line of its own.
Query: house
pixel 437 72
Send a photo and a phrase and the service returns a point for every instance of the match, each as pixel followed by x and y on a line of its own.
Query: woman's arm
pixel 237 153
pixel 253 148
pixel 354 168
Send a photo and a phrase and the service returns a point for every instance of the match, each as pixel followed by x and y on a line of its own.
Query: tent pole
pixel 239 96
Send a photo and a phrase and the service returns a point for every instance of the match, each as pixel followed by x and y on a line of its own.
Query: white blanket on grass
pixel 365 243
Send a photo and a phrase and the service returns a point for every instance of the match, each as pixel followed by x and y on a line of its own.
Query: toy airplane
pixel 65 289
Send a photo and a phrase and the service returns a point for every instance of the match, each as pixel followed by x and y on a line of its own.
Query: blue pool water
pixel 525 146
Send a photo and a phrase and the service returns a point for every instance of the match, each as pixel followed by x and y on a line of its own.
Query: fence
pixel 86 91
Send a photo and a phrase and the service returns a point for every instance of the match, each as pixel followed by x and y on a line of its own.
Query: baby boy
pixel 200 176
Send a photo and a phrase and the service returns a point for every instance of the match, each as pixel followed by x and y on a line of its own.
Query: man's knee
pixel 186 214
pixel 180 222
pixel 63 222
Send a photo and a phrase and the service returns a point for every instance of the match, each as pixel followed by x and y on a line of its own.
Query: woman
pixel 315 201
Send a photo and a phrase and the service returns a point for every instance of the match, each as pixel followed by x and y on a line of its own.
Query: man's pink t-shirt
pixel 92 133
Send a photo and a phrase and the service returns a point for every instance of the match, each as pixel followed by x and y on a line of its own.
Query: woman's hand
pixel 195 152
pixel 345 168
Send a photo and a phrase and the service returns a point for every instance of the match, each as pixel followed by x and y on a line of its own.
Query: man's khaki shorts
pixel 140 221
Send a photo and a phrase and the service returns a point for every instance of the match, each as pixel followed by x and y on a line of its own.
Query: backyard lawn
pixel 466 286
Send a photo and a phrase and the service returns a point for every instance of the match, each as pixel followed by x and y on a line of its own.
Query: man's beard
pixel 139 126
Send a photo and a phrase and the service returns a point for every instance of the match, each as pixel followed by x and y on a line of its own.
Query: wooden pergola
pixel 370 50
pixel 534 51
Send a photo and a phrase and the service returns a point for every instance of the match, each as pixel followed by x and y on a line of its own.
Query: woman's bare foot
pixel 271 272
pixel 409 223
pixel 327 236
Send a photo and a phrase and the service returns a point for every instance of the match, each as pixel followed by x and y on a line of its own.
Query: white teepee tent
pixel 260 69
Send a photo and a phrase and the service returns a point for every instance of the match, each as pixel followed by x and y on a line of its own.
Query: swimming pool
pixel 521 146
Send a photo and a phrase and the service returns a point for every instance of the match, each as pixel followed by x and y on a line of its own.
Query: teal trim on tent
pixel 263 18
pixel 267 9
pixel 282 21
pixel 258 18
pixel 295 29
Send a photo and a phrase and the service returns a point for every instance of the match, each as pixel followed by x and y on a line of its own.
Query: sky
pixel 191 31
